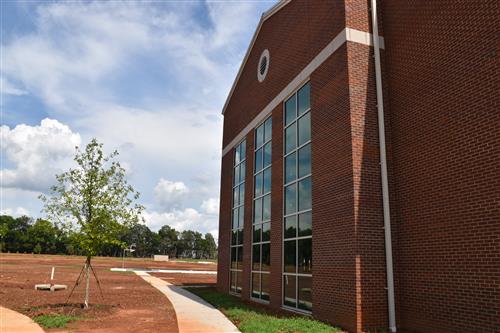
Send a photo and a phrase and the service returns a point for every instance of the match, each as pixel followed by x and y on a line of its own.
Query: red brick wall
pixel 371 295
pixel 332 177
pixel 225 222
pixel 247 232
pixel 277 208
pixel 442 73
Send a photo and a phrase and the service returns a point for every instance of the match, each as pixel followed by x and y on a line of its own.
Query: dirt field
pixel 129 303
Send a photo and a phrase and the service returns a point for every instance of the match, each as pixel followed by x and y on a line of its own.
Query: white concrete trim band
pixel 348 34
pixel 174 271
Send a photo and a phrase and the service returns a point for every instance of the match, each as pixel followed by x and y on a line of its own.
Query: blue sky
pixel 146 78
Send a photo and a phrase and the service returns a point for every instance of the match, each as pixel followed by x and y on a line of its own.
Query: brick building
pixel 315 190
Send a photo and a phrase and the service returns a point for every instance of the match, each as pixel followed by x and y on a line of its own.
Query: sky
pixel 148 79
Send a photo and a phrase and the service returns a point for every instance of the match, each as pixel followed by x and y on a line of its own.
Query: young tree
pixel 94 202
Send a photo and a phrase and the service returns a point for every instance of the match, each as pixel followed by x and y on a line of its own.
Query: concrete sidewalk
pixel 194 315
pixel 14 322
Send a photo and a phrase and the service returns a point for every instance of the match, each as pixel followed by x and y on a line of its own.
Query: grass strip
pixel 255 319
pixel 54 320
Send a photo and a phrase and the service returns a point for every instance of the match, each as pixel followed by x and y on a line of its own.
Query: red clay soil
pixel 129 304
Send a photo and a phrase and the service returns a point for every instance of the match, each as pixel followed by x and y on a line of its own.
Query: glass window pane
pixel 290 256
pixel 290 110
pixel 235 218
pixel 305 295
pixel 240 236
pixel 268 129
pixel 266 257
pixel 266 208
pixel 267 181
pixel 259 136
pixel 290 138
pixel 267 154
pixel 305 256
pixel 233 281
pixel 256 285
pixel 290 168
pixel 265 286
pixel 236 196
pixel 243 150
pixel 233 257
pixel 305 194
pixel 258 160
pixel 239 276
pixel 305 224
pixel 242 194
pixel 266 232
pixel 241 217
pixel 234 237
pixel 304 98
pixel 236 178
pixel 239 257
pixel 256 257
pixel 242 171
pixel 304 128
pixel 305 161
pixel 291 226
pixel 291 199
pixel 258 184
pixel 289 284
pixel 237 156
pixel 256 232
pixel 257 211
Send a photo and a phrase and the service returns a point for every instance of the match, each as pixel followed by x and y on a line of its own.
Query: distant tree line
pixel 26 235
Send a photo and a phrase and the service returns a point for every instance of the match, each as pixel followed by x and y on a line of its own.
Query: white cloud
pixel 185 219
pixel 16 212
pixel 38 152
pixel 76 45
pixel 210 206
pixel 170 136
pixel 170 194
pixel 7 88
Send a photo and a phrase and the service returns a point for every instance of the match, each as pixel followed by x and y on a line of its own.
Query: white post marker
pixel 51 286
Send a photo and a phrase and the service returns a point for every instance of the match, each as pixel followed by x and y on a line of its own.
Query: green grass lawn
pixel 255 319
pixel 54 320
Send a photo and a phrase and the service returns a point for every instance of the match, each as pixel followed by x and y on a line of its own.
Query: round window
pixel 263 66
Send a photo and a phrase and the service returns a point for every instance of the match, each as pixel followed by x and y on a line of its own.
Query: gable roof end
pixel 267 14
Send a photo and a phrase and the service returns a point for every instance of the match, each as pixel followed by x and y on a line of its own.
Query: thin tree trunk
pixel 87 287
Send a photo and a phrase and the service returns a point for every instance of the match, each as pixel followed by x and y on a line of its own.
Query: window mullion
pixel 293 120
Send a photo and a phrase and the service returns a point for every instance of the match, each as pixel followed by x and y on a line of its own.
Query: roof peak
pixel 267 14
